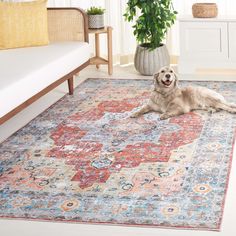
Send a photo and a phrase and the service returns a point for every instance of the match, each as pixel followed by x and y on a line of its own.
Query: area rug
pixel 85 160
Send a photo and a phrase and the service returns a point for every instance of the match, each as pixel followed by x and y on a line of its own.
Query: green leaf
pixel 152 24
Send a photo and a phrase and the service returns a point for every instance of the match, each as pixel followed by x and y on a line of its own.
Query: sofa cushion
pixel 23 24
pixel 26 71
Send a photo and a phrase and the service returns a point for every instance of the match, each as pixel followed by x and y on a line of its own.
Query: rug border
pixel 44 220
pixel 219 225
pixel 227 184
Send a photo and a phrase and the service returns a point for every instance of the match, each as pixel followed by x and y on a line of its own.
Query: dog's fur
pixel 170 100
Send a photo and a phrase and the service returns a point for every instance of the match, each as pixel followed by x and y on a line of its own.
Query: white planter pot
pixel 148 62
pixel 96 21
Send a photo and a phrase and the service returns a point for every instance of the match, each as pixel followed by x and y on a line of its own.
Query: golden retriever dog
pixel 170 100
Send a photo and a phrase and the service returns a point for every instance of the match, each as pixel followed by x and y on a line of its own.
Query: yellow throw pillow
pixel 23 24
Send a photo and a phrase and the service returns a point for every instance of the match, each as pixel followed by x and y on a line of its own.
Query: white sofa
pixel 26 74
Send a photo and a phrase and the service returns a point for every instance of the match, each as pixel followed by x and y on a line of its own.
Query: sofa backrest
pixel 67 24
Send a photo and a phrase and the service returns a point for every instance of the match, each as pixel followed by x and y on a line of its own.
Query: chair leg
pixel 71 85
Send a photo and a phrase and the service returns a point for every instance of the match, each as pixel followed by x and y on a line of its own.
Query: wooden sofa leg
pixel 71 85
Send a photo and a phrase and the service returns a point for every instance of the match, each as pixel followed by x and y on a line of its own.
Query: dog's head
pixel 165 78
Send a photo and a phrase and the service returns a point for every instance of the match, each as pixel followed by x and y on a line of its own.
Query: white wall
pixel 76 3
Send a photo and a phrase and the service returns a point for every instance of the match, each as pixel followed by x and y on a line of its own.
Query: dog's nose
pixel 167 76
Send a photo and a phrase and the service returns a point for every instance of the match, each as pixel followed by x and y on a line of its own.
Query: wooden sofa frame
pixel 64 24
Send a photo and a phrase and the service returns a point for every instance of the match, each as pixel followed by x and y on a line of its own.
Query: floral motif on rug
pixel 85 160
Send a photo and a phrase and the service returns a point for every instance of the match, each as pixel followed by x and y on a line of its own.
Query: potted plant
pixel 152 19
pixel 95 17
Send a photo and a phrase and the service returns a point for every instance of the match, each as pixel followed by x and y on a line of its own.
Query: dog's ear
pixel 156 78
pixel 176 79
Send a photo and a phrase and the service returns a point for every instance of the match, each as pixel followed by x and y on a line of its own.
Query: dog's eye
pixel 171 71
pixel 162 71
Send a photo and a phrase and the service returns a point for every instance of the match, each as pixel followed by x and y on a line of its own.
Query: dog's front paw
pixel 134 115
pixel 164 116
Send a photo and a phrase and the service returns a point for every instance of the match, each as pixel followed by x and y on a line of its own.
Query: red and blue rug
pixel 85 160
